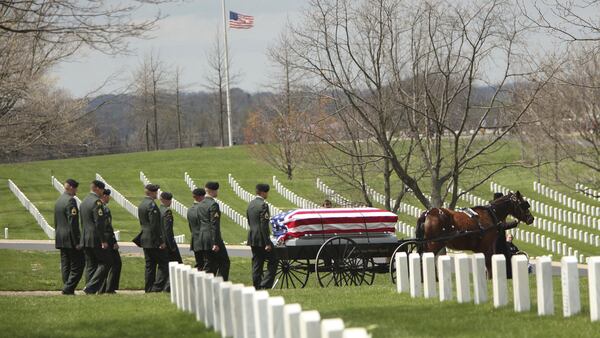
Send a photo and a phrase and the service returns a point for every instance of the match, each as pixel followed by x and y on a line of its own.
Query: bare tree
pixel 150 86
pixel 570 20
pixel 277 130
pixel 37 34
pixel 216 83
pixel 178 103
pixel 411 72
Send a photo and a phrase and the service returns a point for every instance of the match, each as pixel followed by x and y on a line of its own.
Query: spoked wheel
pixel 370 272
pixel 408 247
pixel 340 262
pixel 291 273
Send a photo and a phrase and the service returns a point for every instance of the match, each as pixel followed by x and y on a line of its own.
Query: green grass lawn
pixel 149 315
pixel 378 308
pixel 33 270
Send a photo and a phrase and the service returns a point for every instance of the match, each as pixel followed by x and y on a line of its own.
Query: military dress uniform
pixel 166 216
pixel 95 232
pixel 210 234
pixel 111 284
pixel 67 238
pixel 193 217
pixel 151 238
pixel 258 238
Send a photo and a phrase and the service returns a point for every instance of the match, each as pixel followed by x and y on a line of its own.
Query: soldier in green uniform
pixel 111 284
pixel 95 238
pixel 166 216
pixel 152 240
pixel 68 236
pixel 259 239
pixel 211 242
pixel 198 237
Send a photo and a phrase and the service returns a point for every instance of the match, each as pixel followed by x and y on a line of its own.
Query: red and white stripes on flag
pixel 338 221
pixel 240 21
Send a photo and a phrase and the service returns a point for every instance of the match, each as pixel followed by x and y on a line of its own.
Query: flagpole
pixel 227 74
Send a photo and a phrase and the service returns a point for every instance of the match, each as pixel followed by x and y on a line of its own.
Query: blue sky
pixel 183 39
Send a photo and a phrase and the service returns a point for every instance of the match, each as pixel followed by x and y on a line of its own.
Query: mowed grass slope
pixel 167 168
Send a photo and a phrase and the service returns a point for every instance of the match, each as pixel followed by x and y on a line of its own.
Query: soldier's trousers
pixel 261 279
pixel 200 261
pixel 98 262
pixel 72 262
pixel 156 281
pixel 111 284
pixel 218 262
pixel 175 256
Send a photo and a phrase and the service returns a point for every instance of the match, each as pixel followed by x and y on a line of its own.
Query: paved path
pixel 48 245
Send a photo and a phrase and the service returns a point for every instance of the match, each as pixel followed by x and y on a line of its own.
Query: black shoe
pixel 88 292
pixel 66 293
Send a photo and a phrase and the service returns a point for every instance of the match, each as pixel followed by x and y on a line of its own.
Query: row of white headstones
pixel 292 196
pixel 559 214
pixel 418 277
pixel 565 200
pixel 238 311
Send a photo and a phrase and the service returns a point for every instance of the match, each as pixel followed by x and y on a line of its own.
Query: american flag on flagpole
pixel 240 21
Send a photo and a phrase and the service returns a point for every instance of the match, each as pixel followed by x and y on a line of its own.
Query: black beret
pixel 72 183
pixel 152 187
pixel 166 195
pixel 199 192
pixel 98 184
pixel 212 185
pixel 107 192
pixel 262 187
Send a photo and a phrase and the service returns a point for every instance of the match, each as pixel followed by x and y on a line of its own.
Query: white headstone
pixel 332 328
pixel 225 309
pixel 310 324
pixel 248 312
pixel 463 289
pixel 236 310
pixel 261 299
pixel 172 281
pixel 445 277
pixel 275 317
pixel 570 286
pixel 356 333
pixel 520 277
pixel 545 295
pixel 479 278
pixel 191 275
pixel 208 300
pixel 499 286
pixel 187 306
pixel 429 285
pixel 594 287
pixel 5 233
pixel 216 303
pixel 291 313
pixel 199 301
pixel 179 284
pixel 402 284
pixel 414 267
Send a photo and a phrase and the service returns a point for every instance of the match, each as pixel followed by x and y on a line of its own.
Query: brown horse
pixel 459 231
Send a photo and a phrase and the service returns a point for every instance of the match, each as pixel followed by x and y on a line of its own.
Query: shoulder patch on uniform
pixel 216 215
pixel 100 212
pixel 98 202
pixel 74 211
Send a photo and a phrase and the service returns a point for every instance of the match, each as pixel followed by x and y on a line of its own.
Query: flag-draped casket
pixel 333 221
